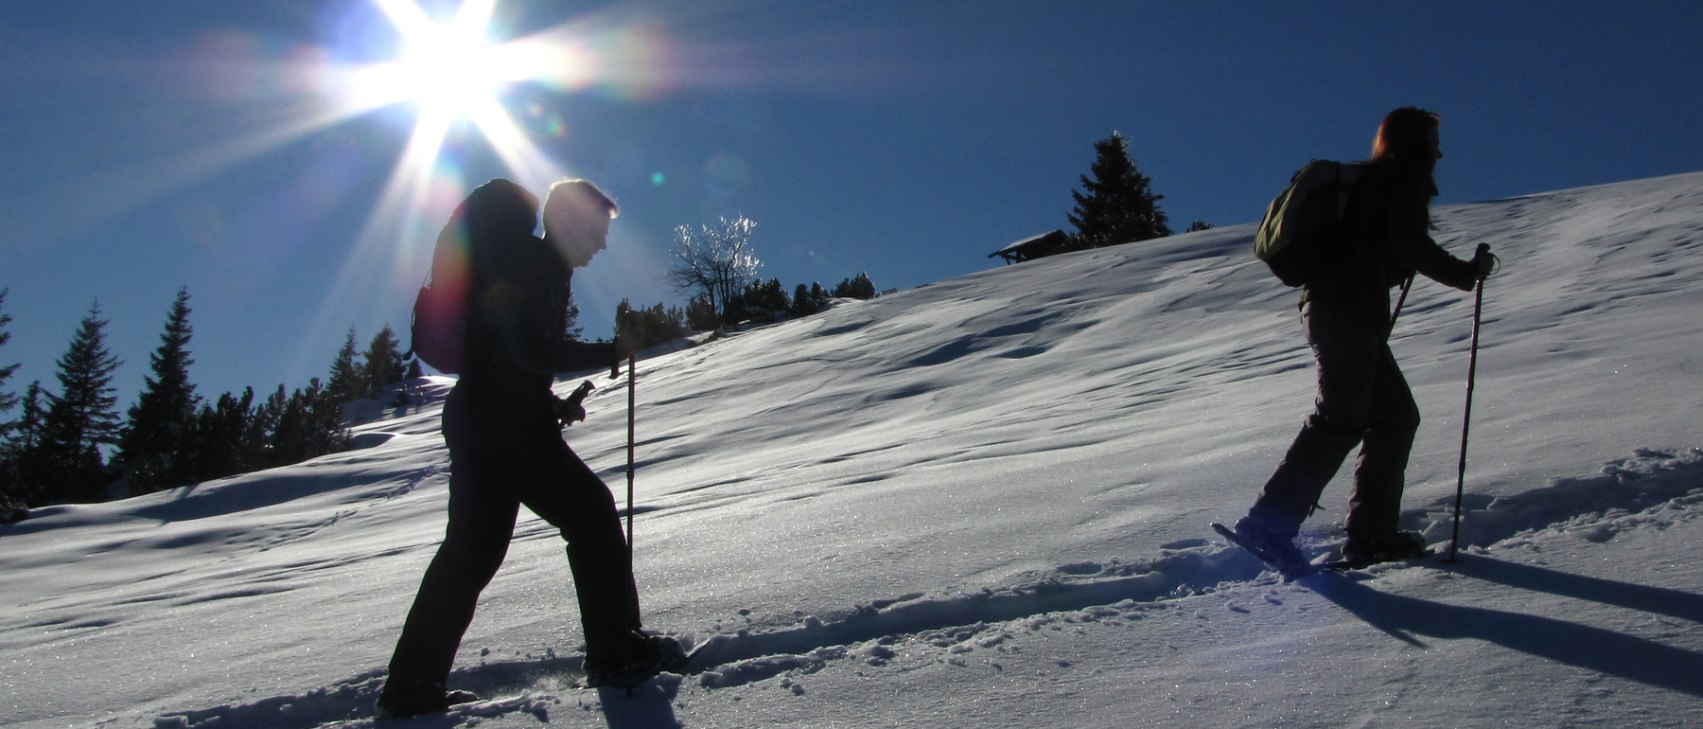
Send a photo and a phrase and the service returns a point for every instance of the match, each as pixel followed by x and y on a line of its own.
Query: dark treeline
pixel 71 444
pixel 760 301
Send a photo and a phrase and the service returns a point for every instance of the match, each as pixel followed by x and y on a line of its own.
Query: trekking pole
pixel 632 367
pixel 1466 418
pixel 1402 300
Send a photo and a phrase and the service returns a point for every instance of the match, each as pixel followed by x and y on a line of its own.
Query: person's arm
pixel 1411 243
pixel 523 337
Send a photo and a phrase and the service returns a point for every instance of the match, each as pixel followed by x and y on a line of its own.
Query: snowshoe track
pixel 1626 494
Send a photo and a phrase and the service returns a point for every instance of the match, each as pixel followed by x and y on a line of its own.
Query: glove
pixel 572 409
pixel 1484 263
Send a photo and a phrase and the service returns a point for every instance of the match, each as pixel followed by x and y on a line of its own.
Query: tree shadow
pixel 1583 646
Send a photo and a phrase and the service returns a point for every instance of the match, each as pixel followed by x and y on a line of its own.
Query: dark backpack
pixel 1303 226
pixel 439 332
pixel 445 309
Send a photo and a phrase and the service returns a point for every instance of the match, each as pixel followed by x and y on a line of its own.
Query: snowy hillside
pixel 984 503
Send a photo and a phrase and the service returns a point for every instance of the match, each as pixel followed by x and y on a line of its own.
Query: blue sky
pixel 207 144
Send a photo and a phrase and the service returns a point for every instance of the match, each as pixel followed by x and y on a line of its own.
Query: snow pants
pixel 501 458
pixel 1363 400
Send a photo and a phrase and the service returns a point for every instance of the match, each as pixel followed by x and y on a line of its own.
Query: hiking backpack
pixel 439 331
pixel 1303 226
pixel 445 310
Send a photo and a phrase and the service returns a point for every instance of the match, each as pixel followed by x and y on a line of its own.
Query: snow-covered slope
pixel 984 503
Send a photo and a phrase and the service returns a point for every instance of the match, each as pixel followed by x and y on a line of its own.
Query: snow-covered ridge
pixel 984 503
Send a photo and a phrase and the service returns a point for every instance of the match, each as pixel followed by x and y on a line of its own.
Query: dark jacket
pixel 1388 239
pixel 518 336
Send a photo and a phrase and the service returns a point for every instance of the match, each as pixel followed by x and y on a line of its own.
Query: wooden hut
pixel 1040 246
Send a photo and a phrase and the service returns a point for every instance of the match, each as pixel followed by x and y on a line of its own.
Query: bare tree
pixel 716 260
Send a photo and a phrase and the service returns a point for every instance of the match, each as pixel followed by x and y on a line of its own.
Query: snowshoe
pixel 408 698
pixel 646 656
pixel 1277 550
pixel 1361 552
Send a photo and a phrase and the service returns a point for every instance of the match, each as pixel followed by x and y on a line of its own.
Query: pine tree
pixel 220 433
pixel 324 420
pixel 286 436
pixel 571 329
pixel 1117 204
pixel 7 399
pixel 347 383
pixel 701 315
pixel 26 434
pixel 19 476
pixel 764 300
pixel 255 442
pixel 628 326
pixel 857 287
pixel 802 305
pixel 9 474
pixel 153 446
pixel 643 328
pixel 383 364
pixel 81 419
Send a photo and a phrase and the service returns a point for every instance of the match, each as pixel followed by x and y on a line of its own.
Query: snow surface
pixel 984 503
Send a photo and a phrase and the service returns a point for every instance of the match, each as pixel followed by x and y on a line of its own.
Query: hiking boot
pixel 1367 550
pixel 643 656
pixel 406 698
pixel 1272 542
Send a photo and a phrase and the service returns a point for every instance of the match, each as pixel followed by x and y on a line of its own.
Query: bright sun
pixel 453 78
pixel 448 69
pixel 449 72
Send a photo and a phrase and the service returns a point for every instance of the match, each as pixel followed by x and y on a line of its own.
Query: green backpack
pixel 1303 226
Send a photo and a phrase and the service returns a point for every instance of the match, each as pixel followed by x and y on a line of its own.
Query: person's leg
pixel 473 548
pixel 563 490
pixel 1375 509
pixel 1346 352
pixel 482 514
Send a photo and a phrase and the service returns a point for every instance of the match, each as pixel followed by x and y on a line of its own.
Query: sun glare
pixel 447 74
pixel 453 75
pixel 449 70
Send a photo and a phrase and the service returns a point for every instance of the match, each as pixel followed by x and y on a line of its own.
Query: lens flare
pixel 447 78
pixel 453 76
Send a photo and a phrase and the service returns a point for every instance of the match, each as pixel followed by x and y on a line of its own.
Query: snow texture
pixel 984 503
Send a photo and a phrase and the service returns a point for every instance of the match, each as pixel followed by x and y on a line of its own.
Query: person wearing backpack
pixel 502 423
pixel 1363 399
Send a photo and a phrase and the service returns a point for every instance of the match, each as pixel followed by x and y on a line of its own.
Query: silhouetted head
pixel 576 220
pixel 1408 138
